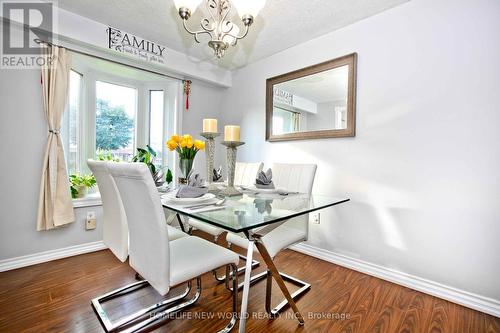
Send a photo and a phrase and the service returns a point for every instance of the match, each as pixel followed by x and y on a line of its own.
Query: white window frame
pixel 65 120
pixel 170 103
pixel 87 116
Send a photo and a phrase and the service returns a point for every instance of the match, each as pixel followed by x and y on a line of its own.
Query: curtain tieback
pixel 54 131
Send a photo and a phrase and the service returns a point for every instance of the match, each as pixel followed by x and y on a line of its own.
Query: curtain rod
pixel 39 41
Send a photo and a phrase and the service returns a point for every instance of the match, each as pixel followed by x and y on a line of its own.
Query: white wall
pixel 23 134
pixel 205 102
pixel 423 170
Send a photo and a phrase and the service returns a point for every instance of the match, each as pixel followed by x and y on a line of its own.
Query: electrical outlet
pixel 315 218
pixel 90 222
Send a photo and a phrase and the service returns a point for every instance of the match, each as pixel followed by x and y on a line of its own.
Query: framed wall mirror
pixel 313 102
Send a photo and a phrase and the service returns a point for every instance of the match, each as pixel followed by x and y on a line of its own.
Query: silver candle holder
pixel 209 153
pixel 232 148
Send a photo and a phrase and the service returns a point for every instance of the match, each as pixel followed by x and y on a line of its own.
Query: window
pixel 115 119
pixel 156 124
pixel 285 121
pixel 70 125
pixel 113 109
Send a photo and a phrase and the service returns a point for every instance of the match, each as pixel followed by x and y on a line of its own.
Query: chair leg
pixel 234 317
pixel 112 327
pixel 157 318
pixel 184 228
pixel 241 270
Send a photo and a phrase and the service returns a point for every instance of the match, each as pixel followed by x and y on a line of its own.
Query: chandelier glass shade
pixel 223 33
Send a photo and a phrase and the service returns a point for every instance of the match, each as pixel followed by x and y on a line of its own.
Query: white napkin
pixel 193 189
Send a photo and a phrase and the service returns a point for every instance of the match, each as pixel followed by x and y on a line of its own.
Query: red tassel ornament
pixel 187 91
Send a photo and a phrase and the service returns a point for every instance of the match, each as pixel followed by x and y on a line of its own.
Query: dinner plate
pixel 264 190
pixel 171 198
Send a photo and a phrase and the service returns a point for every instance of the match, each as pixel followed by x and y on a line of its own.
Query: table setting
pixel 253 211
pixel 195 194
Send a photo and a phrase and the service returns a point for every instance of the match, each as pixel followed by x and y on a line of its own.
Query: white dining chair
pixel 244 175
pixel 292 178
pixel 163 263
pixel 115 227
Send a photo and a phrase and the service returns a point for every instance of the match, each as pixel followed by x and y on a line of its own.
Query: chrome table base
pixel 255 239
pixel 272 272
pixel 304 287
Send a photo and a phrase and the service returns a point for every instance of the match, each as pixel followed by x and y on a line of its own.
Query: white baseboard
pixel 467 299
pixel 37 258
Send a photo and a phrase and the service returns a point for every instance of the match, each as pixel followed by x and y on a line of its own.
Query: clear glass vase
pixel 185 165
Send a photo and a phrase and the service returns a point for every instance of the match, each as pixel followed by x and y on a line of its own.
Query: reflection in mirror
pixel 312 103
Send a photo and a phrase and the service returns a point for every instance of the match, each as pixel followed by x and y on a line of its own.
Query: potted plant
pixel 79 185
pixel 106 155
pixel 147 156
pixel 187 150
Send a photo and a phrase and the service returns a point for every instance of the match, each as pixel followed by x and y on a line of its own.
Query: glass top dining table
pixel 250 211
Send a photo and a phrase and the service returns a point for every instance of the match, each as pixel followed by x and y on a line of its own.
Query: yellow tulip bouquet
pixel 187 148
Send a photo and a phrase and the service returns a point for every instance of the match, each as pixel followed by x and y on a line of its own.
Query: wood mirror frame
pixel 349 60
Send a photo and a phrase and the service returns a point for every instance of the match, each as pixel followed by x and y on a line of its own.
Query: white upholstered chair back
pixel 294 177
pixel 115 228
pixel 297 178
pixel 245 173
pixel 149 244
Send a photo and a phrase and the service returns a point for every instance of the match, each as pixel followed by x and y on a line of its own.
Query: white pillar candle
pixel 231 133
pixel 209 125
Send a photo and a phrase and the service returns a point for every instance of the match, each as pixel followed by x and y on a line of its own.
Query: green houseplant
pixel 106 155
pixel 79 184
pixel 147 156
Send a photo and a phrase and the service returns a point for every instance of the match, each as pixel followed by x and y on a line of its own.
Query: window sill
pixel 90 200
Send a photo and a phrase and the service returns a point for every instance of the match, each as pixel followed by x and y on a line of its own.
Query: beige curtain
pixel 55 207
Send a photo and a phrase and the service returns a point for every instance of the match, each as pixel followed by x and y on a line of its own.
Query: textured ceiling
pixel 281 23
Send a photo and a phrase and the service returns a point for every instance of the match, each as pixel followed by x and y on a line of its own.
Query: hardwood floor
pixel 55 297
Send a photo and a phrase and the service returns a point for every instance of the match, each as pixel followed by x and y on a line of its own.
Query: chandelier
pixel 223 33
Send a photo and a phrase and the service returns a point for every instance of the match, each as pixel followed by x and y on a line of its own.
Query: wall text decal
pixel 124 42
pixel 282 97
